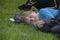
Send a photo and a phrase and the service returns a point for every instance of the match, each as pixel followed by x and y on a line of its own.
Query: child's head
pixel 29 17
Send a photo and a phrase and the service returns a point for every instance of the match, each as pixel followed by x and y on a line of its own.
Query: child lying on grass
pixel 30 17
pixel 44 20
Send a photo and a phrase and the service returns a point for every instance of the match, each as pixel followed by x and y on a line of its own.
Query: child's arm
pixel 47 22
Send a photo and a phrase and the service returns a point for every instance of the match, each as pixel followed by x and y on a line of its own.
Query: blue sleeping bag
pixel 48 13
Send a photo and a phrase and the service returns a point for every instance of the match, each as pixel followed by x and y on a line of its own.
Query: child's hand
pixel 40 24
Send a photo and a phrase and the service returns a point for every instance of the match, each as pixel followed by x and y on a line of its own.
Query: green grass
pixel 11 31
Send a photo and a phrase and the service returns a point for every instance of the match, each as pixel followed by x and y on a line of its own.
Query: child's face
pixel 31 18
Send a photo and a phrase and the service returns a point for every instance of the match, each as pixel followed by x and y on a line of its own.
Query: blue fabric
pixel 48 13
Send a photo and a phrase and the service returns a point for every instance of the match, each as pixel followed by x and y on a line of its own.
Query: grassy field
pixel 11 31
